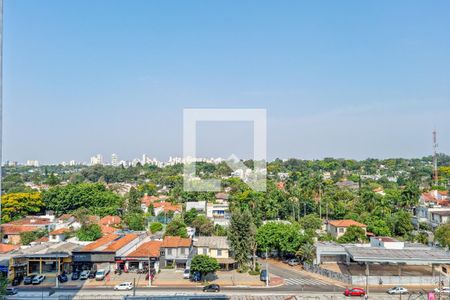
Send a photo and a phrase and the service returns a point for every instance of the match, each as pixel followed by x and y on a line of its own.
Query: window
pixel 219 252
pixel 205 251
pixel 169 251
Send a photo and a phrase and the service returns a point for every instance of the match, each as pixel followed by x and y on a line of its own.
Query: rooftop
pixel 345 223
pixel 215 242
pixel 176 242
pixel 147 249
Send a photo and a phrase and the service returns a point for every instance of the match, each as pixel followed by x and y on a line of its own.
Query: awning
pixel 226 261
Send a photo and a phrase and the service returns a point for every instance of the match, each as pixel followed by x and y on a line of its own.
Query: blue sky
pixel 352 79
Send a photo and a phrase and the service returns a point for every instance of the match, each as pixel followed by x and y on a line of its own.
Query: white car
pixel 187 274
pixel 38 279
pixel 397 290
pixel 101 274
pixel 124 286
pixel 444 290
pixel 85 275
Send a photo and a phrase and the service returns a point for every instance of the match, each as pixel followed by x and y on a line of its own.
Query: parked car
pixel 101 274
pixel 75 275
pixel 397 290
pixel 62 277
pixel 443 290
pixel 85 274
pixel 263 275
pixel 92 274
pixel 293 262
pixel 28 279
pixel 17 280
pixel 355 292
pixel 212 288
pixel 124 286
pixel 38 279
pixel 11 291
pixel 187 274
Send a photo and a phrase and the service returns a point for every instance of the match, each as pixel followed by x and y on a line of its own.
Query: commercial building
pixel 176 251
pixel 102 252
pixel 385 259
pixel 142 256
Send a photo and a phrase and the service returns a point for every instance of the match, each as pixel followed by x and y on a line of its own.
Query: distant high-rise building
pixel 97 160
pixel 72 163
pixel 32 163
pixel 114 160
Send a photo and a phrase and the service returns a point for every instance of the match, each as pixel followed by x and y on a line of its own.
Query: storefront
pixel 47 264
pixel 131 264
pixel 91 260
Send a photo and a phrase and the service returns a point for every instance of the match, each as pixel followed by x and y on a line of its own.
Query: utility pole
pixel 267 268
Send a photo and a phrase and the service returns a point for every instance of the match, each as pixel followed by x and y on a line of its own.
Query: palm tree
pixel 307 252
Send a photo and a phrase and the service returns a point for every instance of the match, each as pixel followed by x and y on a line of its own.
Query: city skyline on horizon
pixel 349 81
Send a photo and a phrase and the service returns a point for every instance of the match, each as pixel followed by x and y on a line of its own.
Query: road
pixel 231 293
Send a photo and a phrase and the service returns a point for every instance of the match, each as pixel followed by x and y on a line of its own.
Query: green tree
pixel 93 196
pixel 203 225
pixel 134 202
pixel 176 228
pixel 190 216
pixel 27 237
pixel 204 264
pixel 134 221
pixel 311 221
pixel 353 234
pixel 307 252
pixel 18 205
pixel 156 227
pixel 401 223
pixel 89 232
pixel 239 236
pixel 442 235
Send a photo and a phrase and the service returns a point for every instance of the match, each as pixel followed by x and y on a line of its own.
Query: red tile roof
pixel 5 248
pixel 147 200
pixel 346 223
pixel 148 249
pixel 110 220
pixel 176 242
pixel 107 229
pixel 167 206
pixel 17 229
pixel 32 221
pixel 116 245
pixel 60 231
pixel 100 242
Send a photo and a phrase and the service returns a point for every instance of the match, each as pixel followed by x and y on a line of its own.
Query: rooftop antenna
pixel 435 168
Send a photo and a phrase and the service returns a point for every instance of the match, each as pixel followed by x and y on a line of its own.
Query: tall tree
pixel 240 236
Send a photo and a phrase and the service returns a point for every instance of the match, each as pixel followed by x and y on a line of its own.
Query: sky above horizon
pixel 350 79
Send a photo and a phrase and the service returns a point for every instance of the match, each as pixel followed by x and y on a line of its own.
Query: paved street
pixel 232 293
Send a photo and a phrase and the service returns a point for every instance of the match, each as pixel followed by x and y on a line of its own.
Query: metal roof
pixel 406 255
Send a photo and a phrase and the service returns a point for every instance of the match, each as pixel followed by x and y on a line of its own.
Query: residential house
pixel 430 203
pixel 199 206
pixel 216 247
pixel 175 251
pixel 219 213
pixel 11 231
pixel 439 217
pixel 165 207
pixel 337 228
pixel 58 235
